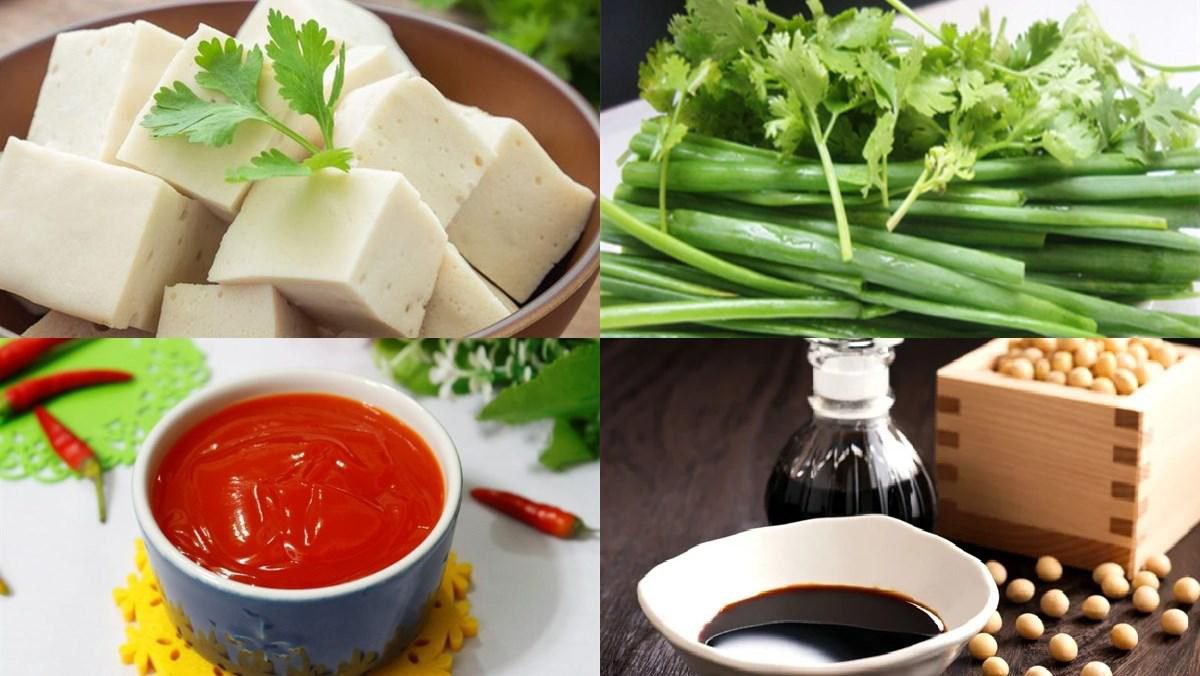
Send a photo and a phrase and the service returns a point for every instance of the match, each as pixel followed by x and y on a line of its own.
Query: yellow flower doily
pixel 155 646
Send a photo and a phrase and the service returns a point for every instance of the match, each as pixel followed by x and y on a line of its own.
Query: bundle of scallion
pixel 834 176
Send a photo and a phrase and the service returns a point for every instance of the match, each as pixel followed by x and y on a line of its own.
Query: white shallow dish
pixel 681 595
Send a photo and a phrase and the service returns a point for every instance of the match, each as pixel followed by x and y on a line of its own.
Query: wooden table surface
pixel 24 20
pixel 691 430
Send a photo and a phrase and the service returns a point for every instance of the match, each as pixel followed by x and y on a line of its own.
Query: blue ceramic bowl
pixel 343 629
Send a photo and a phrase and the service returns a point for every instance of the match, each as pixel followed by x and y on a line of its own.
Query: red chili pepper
pixel 73 451
pixel 18 353
pixel 27 394
pixel 546 518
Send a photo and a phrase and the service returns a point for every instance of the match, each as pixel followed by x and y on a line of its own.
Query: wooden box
pixel 1038 468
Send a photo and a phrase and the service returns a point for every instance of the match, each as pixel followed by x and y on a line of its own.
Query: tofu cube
pixel 96 83
pixel 463 301
pixel 345 22
pixel 355 251
pixel 404 124
pixel 231 311
pixel 94 240
pixel 58 325
pixel 525 214
pixel 195 169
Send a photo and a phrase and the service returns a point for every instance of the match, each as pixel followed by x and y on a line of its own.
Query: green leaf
pixel 729 26
pixel 227 68
pixel 798 66
pixel 876 150
pixel 930 94
pixel 569 387
pixel 300 59
pixel 1071 138
pixel 409 364
pixel 336 158
pixel 270 163
pixel 177 111
pixel 567 446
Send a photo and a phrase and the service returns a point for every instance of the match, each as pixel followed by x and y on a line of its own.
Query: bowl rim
pixel 224 394
pixel 572 280
pixel 951 638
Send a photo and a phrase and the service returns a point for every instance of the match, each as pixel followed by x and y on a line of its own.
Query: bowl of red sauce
pixel 298 522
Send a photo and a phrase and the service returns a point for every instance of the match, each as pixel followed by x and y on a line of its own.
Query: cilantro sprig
pixel 300 59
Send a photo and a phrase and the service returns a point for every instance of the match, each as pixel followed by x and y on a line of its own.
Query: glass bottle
pixel 850 458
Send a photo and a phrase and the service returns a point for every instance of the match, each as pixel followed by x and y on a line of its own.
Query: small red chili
pixel 73 451
pixel 27 394
pixel 18 353
pixel 546 518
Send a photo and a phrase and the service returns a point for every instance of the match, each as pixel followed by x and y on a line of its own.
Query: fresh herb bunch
pixel 854 88
pixel 563 35
pixel 525 379
pixel 299 61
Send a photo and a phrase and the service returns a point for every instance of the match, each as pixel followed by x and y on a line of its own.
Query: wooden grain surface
pixel 22 21
pixel 691 429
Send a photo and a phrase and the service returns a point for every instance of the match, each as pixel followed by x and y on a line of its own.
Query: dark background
pixel 691 431
pixel 629 28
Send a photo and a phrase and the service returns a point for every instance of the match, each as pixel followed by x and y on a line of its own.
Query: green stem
pixel 906 11
pixel 1136 58
pixel 909 200
pixel 679 250
pixel 690 311
pixel 288 132
pixel 835 191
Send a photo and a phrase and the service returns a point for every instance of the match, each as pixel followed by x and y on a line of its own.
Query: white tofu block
pixel 525 214
pixel 58 325
pixel 95 85
pixel 94 240
pixel 195 169
pixel 463 301
pixel 355 251
pixel 345 22
pixel 231 311
pixel 404 124
pixel 364 65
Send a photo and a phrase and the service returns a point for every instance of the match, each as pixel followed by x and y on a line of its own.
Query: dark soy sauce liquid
pixel 846 468
pixel 819 624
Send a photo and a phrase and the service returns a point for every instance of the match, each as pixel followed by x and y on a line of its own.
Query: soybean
pixel 1055 603
pixel 982 646
pixel 1145 599
pixel 1063 648
pixel 1187 590
pixel 1096 607
pixel 1019 590
pixel 1175 622
pixel 1030 627
pixel 1049 569
pixel 1123 637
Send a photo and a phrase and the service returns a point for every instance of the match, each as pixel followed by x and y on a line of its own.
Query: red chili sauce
pixel 298 491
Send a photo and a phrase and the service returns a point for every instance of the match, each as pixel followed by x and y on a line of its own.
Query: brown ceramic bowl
pixel 466 66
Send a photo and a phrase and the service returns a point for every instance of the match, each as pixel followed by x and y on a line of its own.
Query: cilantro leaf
pixel 268 164
pixel 178 111
pixel 300 59
pixel 227 68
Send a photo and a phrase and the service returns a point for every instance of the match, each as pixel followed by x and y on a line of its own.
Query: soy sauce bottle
pixel 850 458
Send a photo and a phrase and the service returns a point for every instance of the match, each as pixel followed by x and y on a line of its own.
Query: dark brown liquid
pixel 847 469
pixel 819 624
